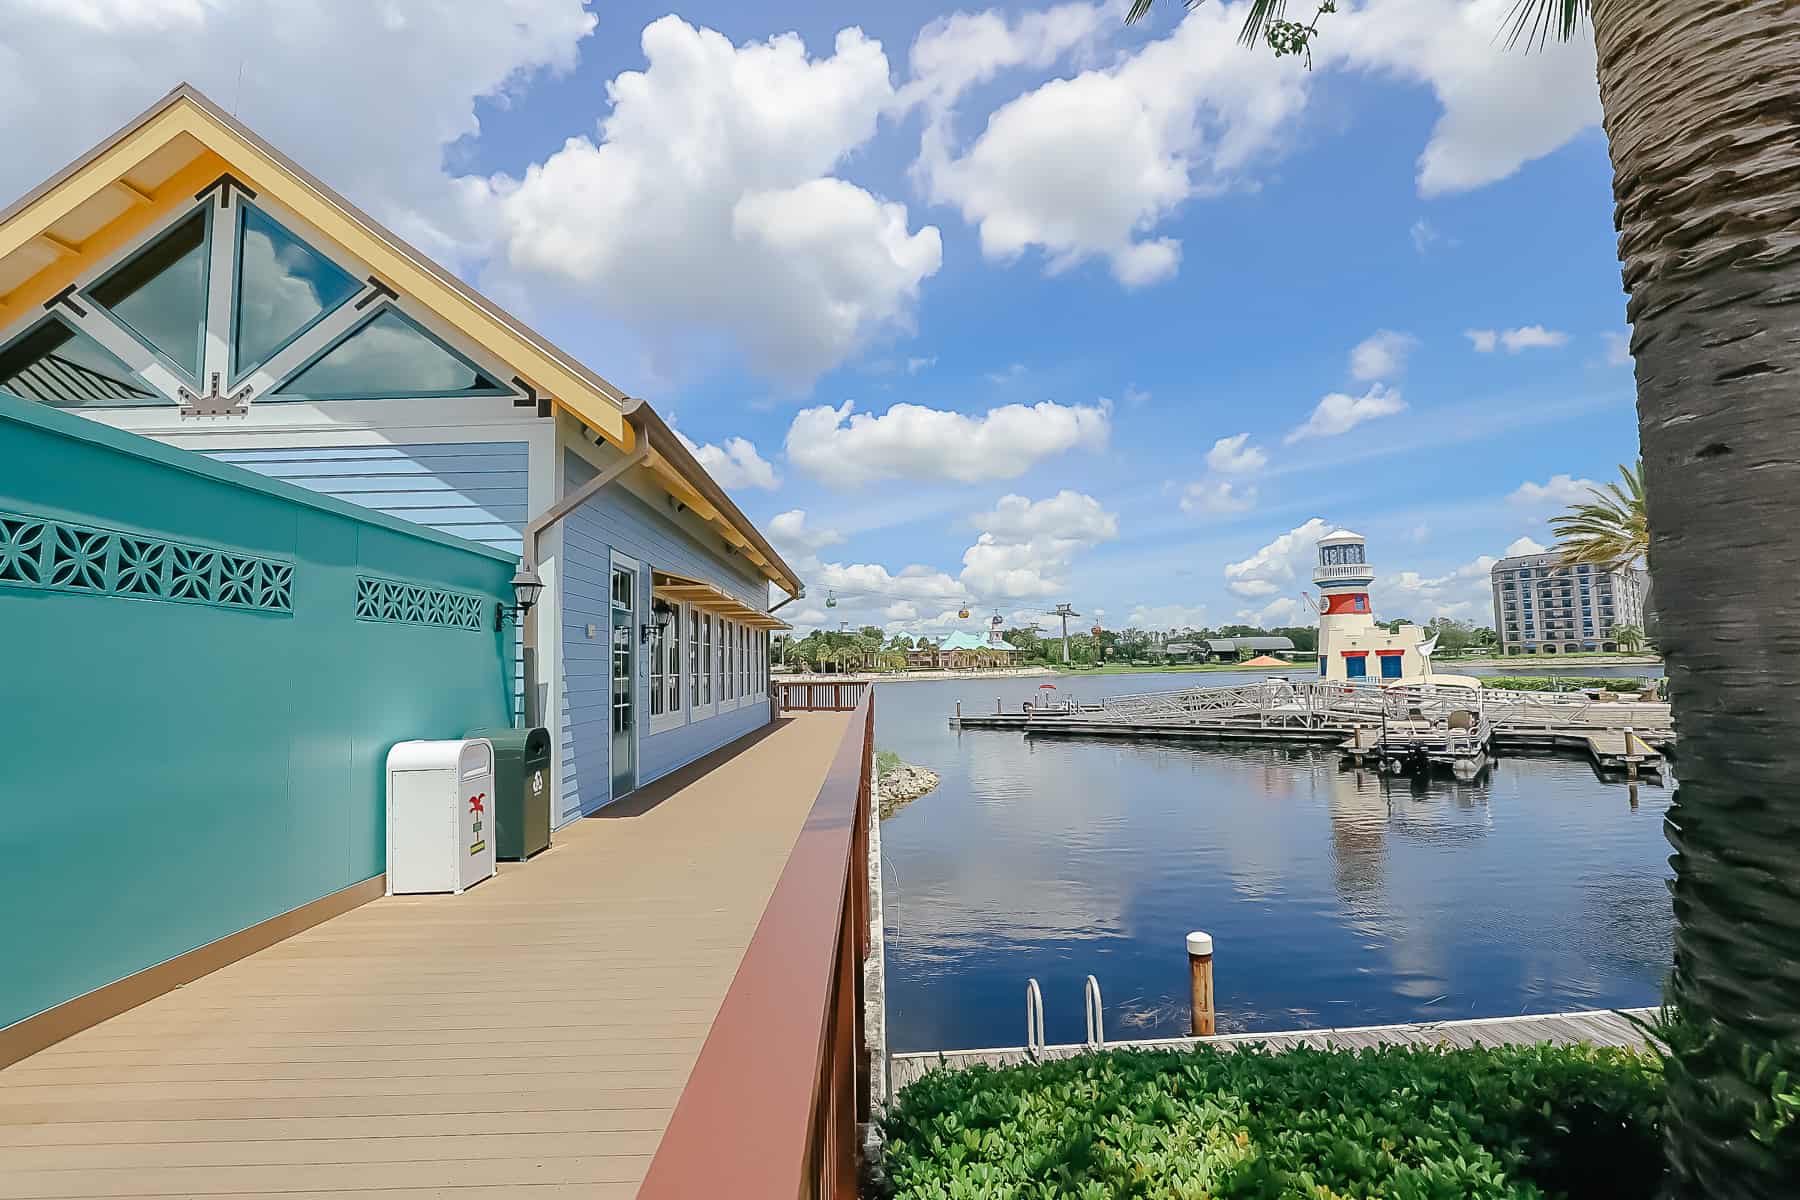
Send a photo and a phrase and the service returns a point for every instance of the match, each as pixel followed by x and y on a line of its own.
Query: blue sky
pixel 1085 254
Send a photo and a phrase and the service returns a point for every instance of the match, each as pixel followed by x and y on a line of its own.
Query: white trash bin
pixel 440 809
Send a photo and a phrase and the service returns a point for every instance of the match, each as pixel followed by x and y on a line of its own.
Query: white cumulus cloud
pixel 1381 355
pixel 1464 593
pixel 791 534
pixel 1217 497
pixel 1026 548
pixel 1085 167
pixel 1168 616
pixel 1236 456
pixel 1525 337
pixel 1339 413
pixel 708 200
pixel 1521 546
pixel 734 464
pixel 844 448
pixel 1502 107
pixel 1280 565
pixel 72 72
pixel 1557 492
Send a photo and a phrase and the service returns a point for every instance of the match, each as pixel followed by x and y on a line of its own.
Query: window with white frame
pixel 665 665
pixel 695 660
pixel 703 664
pixel 727 661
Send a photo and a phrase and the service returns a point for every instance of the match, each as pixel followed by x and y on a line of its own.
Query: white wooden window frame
pixel 82 313
pixel 701 667
pixel 664 722
pixel 728 697
pixel 640 710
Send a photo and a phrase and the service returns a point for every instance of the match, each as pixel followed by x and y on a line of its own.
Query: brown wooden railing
pixel 835 695
pixel 773 1104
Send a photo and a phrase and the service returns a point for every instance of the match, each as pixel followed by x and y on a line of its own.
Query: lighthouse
pixel 1351 646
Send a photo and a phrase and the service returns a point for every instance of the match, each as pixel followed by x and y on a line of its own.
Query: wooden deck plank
pixel 528 1038
pixel 246 1152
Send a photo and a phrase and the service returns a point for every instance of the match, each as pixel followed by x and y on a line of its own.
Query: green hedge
pixel 1402 1123
pixel 1564 683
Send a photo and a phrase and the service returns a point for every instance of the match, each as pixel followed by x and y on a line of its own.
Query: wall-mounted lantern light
pixel 661 619
pixel 526 588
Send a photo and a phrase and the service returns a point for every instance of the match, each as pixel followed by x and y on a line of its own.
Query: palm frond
pixel 1261 13
pixel 1609 531
pixel 1533 22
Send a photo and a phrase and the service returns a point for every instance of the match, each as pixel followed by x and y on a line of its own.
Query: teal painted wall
pixel 176 771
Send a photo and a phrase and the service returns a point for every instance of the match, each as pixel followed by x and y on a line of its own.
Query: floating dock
pixel 1601 1028
pixel 1418 728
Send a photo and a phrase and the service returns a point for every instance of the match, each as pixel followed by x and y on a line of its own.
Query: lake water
pixel 1334 897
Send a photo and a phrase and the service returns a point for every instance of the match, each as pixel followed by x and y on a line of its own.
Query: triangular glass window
pixel 161 294
pixel 58 365
pixel 388 358
pixel 284 286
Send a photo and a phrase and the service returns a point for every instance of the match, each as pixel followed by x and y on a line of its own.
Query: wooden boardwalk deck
pixel 527 1039
pixel 1603 1028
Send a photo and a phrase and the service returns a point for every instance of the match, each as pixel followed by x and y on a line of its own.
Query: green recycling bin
pixel 521 790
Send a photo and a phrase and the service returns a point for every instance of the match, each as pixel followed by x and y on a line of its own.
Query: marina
pixel 1069 850
pixel 1397 728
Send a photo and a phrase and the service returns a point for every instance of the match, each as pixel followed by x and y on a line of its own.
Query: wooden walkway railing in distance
pixel 773 1105
pixel 837 695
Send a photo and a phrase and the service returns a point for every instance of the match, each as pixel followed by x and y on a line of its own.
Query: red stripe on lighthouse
pixel 1346 602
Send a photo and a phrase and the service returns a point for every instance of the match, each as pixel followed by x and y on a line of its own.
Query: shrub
pixel 1400 1123
pixel 1563 683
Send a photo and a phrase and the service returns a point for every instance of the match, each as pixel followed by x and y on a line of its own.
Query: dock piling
pixel 1200 980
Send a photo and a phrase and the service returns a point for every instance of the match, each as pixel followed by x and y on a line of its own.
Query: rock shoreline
pixel 902 786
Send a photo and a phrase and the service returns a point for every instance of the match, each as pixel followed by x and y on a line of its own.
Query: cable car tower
pixel 1065 612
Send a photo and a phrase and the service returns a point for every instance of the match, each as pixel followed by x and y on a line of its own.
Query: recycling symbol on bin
pixel 537 782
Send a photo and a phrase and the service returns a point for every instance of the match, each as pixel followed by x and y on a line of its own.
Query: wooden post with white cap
pixel 1200 975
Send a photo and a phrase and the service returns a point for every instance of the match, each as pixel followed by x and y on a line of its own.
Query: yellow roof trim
pixel 177 190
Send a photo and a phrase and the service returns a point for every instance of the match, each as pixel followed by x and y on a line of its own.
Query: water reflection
pixel 1335 896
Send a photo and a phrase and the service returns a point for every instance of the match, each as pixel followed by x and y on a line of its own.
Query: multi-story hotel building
pixel 1542 607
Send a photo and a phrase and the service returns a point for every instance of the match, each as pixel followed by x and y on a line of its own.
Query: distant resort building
pixel 964 651
pixel 1234 649
pixel 1352 647
pixel 1543 607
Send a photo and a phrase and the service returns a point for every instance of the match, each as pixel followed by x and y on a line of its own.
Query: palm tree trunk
pixel 1702 103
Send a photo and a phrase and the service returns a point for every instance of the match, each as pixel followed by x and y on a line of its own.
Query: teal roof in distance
pixel 969 641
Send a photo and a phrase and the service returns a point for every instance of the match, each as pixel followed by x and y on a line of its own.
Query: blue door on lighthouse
pixel 1390 666
pixel 1356 667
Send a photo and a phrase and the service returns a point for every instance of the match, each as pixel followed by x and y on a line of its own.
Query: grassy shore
pixel 1172 668
pixel 1544 664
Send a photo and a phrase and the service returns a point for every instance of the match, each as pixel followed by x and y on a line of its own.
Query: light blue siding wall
pixel 663 752
pixel 618 520
pixel 475 490
pixel 585 715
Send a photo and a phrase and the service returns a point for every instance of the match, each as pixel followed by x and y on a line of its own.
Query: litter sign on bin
pixel 439 839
